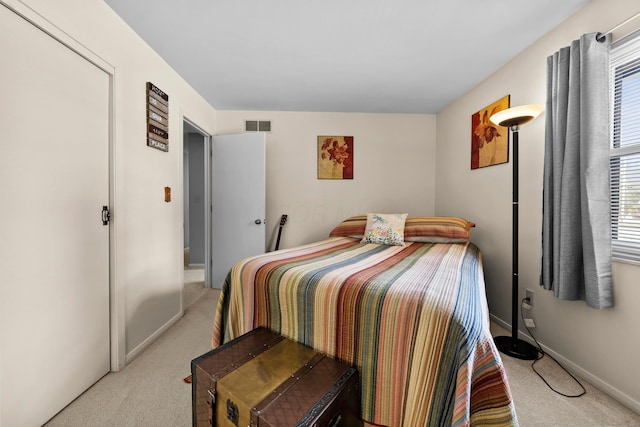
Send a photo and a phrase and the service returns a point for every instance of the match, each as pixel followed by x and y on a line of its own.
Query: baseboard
pixel 594 380
pixel 144 344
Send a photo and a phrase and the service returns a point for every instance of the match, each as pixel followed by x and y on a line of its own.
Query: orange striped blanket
pixel 413 319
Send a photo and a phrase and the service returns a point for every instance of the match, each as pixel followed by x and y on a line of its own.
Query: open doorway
pixel 197 202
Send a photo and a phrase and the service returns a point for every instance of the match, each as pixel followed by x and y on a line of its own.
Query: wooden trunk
pixel 263 379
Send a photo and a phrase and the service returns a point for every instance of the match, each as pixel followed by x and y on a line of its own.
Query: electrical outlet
pixel 529 323
pixel 529 295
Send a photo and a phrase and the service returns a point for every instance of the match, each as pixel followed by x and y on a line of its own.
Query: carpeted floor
pixel 193 286
pixel 150 390
pixel 537 405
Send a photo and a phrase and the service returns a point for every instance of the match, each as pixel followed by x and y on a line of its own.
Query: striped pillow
pixel 350 227
pixel 430 229
pixel 437 229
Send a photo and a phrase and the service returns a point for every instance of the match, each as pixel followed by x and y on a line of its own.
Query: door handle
pixel 258 222
pixel 106 215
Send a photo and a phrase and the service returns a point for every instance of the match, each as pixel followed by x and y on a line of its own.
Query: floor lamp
pixel 513 118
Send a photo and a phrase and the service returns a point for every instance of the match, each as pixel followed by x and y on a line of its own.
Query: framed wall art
pixel 335 157
pixel 489 142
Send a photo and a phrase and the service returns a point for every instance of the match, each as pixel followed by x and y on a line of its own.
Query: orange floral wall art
pixel 489 142
pixel 335 157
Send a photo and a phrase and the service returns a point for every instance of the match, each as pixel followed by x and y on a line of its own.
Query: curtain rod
pixel 601 36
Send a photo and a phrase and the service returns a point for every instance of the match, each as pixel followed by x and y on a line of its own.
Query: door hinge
pixel 106 215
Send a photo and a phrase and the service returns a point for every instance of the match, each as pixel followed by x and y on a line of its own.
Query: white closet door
pixel 54 253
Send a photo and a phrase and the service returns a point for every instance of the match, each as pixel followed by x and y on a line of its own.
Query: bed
pixel 409 313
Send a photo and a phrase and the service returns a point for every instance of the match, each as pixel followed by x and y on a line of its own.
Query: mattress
pixel 412 319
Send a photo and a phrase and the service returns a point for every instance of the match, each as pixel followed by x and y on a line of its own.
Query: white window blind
pixel 625 150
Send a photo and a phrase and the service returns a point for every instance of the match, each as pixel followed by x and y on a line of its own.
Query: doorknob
pixel 258 222
pixel 106 215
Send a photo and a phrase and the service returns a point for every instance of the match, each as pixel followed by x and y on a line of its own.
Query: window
pixel 625 150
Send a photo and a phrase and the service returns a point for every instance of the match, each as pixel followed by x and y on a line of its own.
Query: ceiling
pixel 369 56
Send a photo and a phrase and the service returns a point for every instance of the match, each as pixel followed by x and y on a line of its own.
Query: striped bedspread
pixel 413 319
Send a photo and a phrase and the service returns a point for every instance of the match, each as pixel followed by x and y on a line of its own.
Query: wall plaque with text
pixel 157 118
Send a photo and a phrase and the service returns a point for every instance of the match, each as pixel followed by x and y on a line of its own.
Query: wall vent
pixel 257 125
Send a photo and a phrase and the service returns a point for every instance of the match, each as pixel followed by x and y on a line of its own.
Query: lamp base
pixel 516 348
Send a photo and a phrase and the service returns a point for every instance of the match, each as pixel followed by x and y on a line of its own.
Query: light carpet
pixel 150 390
pixel 538 406
pixel 193 286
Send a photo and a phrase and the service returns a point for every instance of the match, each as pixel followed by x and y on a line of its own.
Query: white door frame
pixel 207 196
pixel 116 282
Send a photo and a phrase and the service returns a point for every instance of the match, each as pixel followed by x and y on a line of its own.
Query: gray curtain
pixel 576 236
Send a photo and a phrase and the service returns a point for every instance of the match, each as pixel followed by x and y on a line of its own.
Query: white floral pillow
pixel 385 229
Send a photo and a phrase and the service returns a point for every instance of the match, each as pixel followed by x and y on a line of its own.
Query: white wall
pixel 600 345
pixel 147 232
pixel 394 169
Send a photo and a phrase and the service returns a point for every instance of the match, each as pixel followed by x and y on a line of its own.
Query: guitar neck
pixel 283 220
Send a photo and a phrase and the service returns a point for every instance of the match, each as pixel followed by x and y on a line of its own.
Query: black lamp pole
pixel 513 346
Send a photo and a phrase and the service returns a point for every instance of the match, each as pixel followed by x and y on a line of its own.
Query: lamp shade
pixel 516 116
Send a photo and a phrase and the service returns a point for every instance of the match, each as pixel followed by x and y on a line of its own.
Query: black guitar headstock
pixel 283 220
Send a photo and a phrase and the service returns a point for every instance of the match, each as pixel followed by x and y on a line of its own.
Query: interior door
pixel 54 255
pixel 238 199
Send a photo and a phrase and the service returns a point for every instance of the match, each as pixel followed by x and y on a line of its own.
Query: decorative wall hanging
pixel 157 118
pixel 489 142
pixel 335 157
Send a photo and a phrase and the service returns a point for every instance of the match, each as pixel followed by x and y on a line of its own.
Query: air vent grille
pixel 257 125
